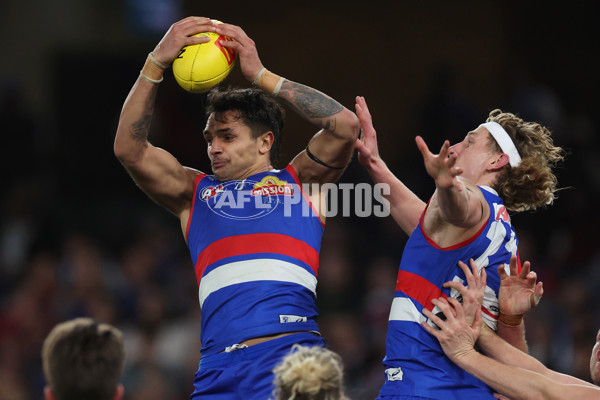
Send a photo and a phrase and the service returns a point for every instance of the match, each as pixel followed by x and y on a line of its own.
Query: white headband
pixel 504 141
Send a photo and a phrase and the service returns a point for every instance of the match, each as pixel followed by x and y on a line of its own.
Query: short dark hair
pixel 83 360
pixel 259 110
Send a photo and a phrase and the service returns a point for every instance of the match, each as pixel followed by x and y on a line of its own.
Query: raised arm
pixel 330 150
pixel 405 207
pixel 154 170
pixel 332 147
pixel 518 294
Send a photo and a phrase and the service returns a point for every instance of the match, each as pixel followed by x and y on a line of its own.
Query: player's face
pixel 473 153
pixel 233 152
pixel 595 361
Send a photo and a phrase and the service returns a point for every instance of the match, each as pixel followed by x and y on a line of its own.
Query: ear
pixel 119 392
pixel 48 395
pixel 499 161
pixel 265 142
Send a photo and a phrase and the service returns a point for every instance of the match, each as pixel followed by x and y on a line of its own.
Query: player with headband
pixel 503 165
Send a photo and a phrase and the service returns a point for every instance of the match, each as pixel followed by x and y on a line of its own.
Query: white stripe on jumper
pixel 254 270
pixel 403 309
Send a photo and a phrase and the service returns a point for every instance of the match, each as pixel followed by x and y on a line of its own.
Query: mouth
pixel 216 164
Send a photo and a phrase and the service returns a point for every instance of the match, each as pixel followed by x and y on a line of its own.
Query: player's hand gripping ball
pixel 199 67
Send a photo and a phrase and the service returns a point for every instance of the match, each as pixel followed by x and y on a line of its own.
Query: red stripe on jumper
pixel 197 180
pixel 256 243
pixel 418 288
pixel 294 175
pixel 485 310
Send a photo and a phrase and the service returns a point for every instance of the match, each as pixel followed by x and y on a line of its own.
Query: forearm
pixel 134 122
pixel 514 335
pixel 405 207
pixel 497 348
pixel 454 204
pixel 320 110
pixel 515 383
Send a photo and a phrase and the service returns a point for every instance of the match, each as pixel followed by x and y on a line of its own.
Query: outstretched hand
pixel 455 335
pixel 179 35
pixel 441 167
pixel 366 144
pixel 459 331
pixel 519 291
pixel 472 295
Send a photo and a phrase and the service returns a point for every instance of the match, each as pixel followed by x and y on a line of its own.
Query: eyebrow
pixel 222 130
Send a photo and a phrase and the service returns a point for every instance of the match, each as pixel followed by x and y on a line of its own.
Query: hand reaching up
pixel 366 144
pixel 519 291
pixel 441 167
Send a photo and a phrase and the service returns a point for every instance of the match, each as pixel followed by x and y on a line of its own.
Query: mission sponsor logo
pixel 271 186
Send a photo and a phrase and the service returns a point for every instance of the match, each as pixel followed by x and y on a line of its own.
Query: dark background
pixel 78 238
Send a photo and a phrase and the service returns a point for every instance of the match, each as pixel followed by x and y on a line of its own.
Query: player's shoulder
pixel 194 174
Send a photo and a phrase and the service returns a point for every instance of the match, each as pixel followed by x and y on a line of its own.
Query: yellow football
pixel 199 67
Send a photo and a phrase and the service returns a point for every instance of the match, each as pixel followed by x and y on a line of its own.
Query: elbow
pixel 351 126
pixel 120 150
pixel 126 154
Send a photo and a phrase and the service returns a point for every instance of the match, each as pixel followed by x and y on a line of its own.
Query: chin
pixel 595 365
pixel 596 375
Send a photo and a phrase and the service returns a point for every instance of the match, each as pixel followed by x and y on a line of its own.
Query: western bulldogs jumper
pixel 255 246
pixel 415 362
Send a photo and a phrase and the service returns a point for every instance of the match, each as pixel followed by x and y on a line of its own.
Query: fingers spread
pixel 513 265
pixel 483 278
pixel 502 272
pixel 525 269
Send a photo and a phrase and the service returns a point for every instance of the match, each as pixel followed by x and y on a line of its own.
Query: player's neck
pixel 255 169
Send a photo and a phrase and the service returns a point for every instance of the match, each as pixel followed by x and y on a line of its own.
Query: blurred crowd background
pixel 77 238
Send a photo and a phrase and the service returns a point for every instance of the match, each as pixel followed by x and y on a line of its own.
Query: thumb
pixel 422 146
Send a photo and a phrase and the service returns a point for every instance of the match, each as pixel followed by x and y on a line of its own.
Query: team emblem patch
pixel 394 374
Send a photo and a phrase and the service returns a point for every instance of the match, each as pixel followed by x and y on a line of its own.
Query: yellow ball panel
pixel 201 66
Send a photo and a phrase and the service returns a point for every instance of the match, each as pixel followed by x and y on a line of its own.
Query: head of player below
pixel 309 373
pixel 512 156
pixel 83 360
pixel 243 132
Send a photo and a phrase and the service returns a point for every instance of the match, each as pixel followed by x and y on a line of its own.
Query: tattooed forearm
pixel 311 104
pixel 139 129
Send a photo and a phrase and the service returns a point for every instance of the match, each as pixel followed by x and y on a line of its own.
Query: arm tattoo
pixel 311 104
pixel 139 129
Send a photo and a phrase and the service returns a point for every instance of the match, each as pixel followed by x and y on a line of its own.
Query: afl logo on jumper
pixel 244 200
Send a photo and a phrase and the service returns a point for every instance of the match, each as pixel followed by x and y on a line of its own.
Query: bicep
pixel 329 149
pixel 163 178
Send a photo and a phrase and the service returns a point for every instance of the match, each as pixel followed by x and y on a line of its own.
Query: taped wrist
pixel 153 70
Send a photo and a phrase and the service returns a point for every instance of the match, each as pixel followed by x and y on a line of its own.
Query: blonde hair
pixel 309 373
pixel 532 184
pixel 83 360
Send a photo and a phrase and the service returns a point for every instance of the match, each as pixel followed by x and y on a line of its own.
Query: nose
pixel 455 149
pixel 215 148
